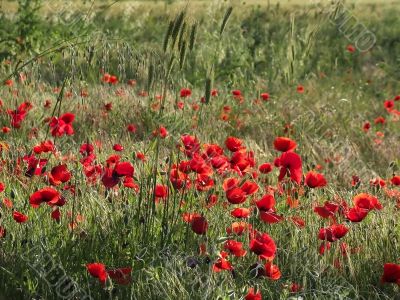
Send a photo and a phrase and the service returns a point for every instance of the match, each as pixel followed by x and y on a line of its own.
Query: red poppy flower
pixel 184 166
pixel 328 210
pixel 113 79
pixel 18 115
pixel 264 96
pixel 86 149
pixel 19 217
pixel 366 201
pixel 111 175
pixel 236 196
pixel 44 147
pixel 389 105
pixel 121 276
pixel 230 183
pixel 2 187
pixel 391 273
pixel 240 213
pixel 238 228
pixel 284 144
pixel 235 248
pixel 195 107
pixel 109 178
pixel 62 125
pixel 236 93
pixel 379 182
pixel 131 128
pixel 315 180
pixel 251 295
pixel 213 150
pixel 189 217
pixel 211 200
pixel 191 144
pixel 141 156
pixel 179 179
pixel 222 265
pixel 300 89
pixel 249 187
pixel 3 232
pixel 118 147
pixel 291 164
pixel 130 183
pixel 265 168
pixel 214 92
pixel 35 166
pixel 92 172
pixel 97 270
pixel 227 108
pixel 162 131
pixel 366 126
pixel 272 271
pixel 56 214
pixel 7 203
pixel 59 174
pixel 298 221
pixel 277 162
pixel 199 225
pixel 233 144
pixel 47 195
pixel 395 180
pixel 16 118
pixel 266 203
pixel 161 191
pixel 270 216
pixel 355 180
pixel 241 161
pixel 295 287
pixel 263 246
pixel 108 106
pixel 204 182
pixel 180 105
pixel 184 93
pixel 356 214
pixel 333 232
pixel 380 120
pixel 351 48
pixel 200 166
pixel 325 246
pixel 106 77
pixel 124 169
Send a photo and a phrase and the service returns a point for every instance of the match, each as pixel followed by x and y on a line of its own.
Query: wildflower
pixel 62 125
pixel 291 165
pixel 19 217
pixel 391 273
pixel 284 144
pixel 46 195
pixel 315 180
pixel 199 225
pixel 97 270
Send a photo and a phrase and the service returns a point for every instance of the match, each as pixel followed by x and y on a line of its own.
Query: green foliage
pixel 265 48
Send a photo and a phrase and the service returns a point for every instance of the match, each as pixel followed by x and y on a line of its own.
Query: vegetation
pixel 204 150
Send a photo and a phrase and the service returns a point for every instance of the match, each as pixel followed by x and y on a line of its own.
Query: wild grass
pixel 254 49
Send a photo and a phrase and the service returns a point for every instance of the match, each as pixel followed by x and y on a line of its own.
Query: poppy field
pixel 199 150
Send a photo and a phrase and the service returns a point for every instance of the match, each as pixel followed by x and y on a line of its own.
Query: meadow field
pixel 200 149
